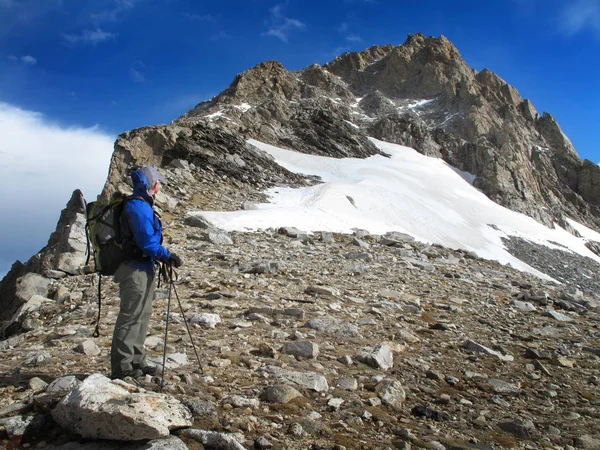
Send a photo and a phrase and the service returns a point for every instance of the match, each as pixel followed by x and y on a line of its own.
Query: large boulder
pixel 105 409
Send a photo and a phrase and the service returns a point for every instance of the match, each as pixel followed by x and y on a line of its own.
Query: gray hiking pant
pixel 136 288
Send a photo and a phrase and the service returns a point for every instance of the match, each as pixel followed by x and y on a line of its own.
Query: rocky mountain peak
pixel 422 94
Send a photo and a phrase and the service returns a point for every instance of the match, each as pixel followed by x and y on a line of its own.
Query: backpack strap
pixel 96 332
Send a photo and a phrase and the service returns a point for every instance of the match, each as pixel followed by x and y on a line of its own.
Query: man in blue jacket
pixel 137 277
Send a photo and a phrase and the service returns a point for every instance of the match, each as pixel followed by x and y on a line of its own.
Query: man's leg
pixel 133 287
pixel 139 351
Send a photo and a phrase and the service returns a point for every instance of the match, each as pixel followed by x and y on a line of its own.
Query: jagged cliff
pixel 421 94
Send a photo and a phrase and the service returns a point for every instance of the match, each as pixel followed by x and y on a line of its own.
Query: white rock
pixel 63 384
pixel 88 347
pixel 379 357
pixel 307 380
pixel 213 439
pixel 206 320
pixel 105 409
pixel 391 393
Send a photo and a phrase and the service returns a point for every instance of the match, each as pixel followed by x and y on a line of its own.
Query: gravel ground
pixel 564 266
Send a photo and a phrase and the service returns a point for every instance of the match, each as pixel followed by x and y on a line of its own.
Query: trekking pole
pixel 162 376
pixel 172 285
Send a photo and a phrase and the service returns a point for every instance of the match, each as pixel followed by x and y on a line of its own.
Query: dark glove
pixel 174 260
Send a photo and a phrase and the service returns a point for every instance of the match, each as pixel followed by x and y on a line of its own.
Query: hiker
pixel 137 277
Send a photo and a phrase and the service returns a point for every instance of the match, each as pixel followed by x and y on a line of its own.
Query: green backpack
pixel 109 239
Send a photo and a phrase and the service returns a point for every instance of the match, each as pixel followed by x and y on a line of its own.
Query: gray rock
pixel 281 393
pixel 327 237
pixel 502 387
pixel 63 384
pixel 262 443
pixel 249 206
pixel 293 232
pixel 521 428
pixel 408 337
pixel 200 408
pixel 88 347
pixel 303 349
pixel 478 348
pixel 588 442
pixel 296 430
pixel 238 401
pixel 391 393
pixel 524 306
pixel 335 404
pixel 395 238
pixel 347 384
pixel 173 361
pixel 334 326
pixel 218 237
pixel 36 357
pixel 198 221
pixel 559 316
pixel 260 267
pixel 360 243
pixel 168 443
pixel 37 384
pixel 345 360
pixel 105 409
pixel 16 426
pixel 307 380
pixel 31 306
pixel 14 408
pixel 29 285
pixel 378 357
pixel 180 164
pixel 323 290
pixel 213 439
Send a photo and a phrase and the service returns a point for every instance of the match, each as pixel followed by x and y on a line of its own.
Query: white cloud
pixel 25 59
pixel 343 27
pixel 279 25
pixel 353 38
pixel 220 36
pixel 580 16
pixel 136 72
pixel 29 60
pixel 199 17
pixel 88 37
pixel 41 164
pixel 115 12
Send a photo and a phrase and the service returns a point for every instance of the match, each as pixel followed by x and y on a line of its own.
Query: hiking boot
pixel 150 370
pixel 136 373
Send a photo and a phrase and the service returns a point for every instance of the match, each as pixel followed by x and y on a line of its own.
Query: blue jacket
pixel 145 226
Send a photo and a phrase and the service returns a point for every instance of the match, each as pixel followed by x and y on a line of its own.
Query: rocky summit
pixel 284 339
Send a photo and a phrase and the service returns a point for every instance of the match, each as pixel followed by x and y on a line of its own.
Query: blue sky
pixel 107 66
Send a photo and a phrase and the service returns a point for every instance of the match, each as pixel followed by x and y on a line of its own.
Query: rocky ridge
pixel 420 94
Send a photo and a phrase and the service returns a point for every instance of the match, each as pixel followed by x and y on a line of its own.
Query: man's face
pixel 155 189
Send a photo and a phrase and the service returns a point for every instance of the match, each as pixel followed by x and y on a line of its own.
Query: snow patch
pixel 407 192
pixel 214 115
pixel 243 107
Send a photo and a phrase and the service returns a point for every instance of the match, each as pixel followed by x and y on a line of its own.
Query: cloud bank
pixel 41 164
